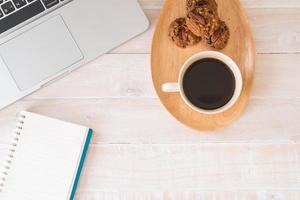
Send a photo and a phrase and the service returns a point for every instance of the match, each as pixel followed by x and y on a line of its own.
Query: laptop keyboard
pixel 15 12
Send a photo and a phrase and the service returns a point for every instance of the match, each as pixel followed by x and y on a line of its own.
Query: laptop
pixel 43 39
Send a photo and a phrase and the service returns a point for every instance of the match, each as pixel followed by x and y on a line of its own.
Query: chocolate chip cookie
pixel 192 4
pixel 181 35
pixel 220 37
pixel 202 21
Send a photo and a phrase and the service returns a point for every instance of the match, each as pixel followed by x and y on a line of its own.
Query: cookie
pixel 202 21
pixel 181 35
pixel 220 37
pixel 192 4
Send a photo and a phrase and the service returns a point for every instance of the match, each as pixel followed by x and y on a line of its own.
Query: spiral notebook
pixel 44 160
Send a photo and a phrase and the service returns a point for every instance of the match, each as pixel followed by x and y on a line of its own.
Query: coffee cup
pixel 209 82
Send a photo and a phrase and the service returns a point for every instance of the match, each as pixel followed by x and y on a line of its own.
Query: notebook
pixel 45 159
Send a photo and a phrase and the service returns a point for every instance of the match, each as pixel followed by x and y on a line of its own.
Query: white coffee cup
pixel 178 86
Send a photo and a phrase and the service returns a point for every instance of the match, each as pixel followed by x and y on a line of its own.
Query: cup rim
pixel 233 67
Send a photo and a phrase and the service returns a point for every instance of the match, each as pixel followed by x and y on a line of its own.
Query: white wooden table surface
pixel 140 152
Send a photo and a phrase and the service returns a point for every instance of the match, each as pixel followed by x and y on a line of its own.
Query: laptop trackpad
pixel 40 53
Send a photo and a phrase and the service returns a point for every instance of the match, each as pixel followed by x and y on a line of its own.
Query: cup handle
pixel 170 87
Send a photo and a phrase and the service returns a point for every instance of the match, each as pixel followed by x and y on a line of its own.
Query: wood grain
pixel 206 171
pixel 145 121
pixel 128 76
pixel 199 167
pixel 192 167
pixel 275 31
pixel 167 60
pixel 193 195
pixel 115 94
pixel 157 4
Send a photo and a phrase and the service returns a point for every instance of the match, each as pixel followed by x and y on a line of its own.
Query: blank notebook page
pixel 46 159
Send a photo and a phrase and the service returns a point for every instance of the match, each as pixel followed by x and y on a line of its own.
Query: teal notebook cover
pixel 83 156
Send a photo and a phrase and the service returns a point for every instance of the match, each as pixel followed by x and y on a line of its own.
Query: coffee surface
pixel 209 84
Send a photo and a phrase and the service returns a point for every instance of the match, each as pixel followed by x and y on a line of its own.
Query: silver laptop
pixel 42 39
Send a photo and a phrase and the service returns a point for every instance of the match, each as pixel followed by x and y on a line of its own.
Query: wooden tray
pixel 167 59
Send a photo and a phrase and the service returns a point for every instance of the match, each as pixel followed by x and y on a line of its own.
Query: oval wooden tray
pixel 167 59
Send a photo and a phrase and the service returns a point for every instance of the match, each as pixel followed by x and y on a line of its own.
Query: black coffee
pixel 209 84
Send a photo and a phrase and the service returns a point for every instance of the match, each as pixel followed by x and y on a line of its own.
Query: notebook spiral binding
pixel 12 149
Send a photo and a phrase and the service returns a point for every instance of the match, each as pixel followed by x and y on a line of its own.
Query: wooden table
pixel 140 152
